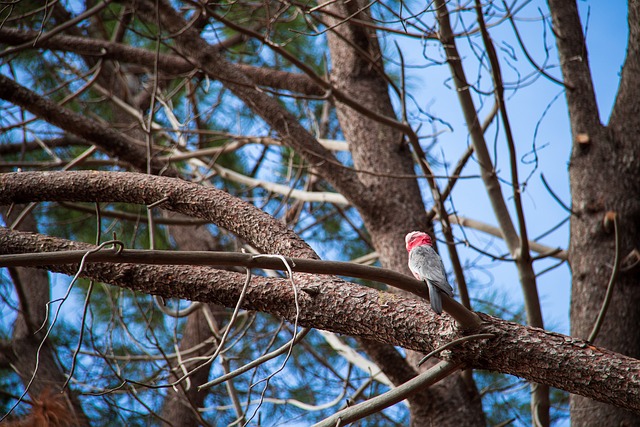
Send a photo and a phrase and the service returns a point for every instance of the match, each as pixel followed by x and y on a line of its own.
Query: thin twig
pixel 262 359
pixel 609 217
pixel 85 307
pixel 555 196
pixel 55 318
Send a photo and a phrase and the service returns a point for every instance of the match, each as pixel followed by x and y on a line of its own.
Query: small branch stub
pixel 608 221
pixel 583 139
pixel 311 290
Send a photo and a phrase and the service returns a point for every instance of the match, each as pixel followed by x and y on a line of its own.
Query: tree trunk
pixel 381 153
pixel 604 170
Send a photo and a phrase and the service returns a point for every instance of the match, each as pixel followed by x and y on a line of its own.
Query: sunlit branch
pixel 284 190
pixel 540 393
pixel 558 253
pixel 378 403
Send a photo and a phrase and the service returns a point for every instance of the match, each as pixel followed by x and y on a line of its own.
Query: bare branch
pixel 378 403
pixel 109 140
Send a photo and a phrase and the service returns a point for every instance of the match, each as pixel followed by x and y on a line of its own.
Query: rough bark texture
pixel 604 171
pixel 533 354
pixel 242 218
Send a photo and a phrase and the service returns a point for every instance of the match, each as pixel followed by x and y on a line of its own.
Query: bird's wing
pixel 426 263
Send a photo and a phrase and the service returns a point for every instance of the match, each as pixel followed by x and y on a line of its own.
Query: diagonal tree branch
pixel 245 220
pixel 544 357
pixel 574 61
pixel 114 143
pixel 173 65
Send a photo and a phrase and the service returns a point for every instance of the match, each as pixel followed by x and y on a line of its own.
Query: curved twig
pixel 609 217
pixel 555 196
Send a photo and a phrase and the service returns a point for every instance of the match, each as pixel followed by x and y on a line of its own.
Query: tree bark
pixel 603 171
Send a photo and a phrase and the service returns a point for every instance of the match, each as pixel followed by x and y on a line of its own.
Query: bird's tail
pixel 434 297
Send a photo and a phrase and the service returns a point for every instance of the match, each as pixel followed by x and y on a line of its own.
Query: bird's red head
pixel 416 238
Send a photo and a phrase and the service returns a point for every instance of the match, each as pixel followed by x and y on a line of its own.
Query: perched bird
pixel 426 265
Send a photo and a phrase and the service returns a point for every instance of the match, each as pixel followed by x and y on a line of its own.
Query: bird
pixel 426 265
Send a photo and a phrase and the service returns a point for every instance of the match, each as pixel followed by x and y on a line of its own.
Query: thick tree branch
pixel 544 357
pixel 466 319
pixel 245 220
pixel 574 62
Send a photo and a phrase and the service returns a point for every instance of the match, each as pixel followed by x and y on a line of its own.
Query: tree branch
pixel 625 108
pixel 282 121
pixel 544 357
pixel 245 220
pixel 574 62
pixel 173 65
pixel 114 143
